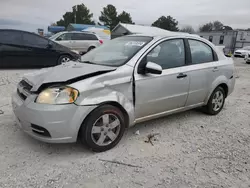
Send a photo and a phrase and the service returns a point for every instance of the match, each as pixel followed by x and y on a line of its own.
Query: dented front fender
pixel 115 86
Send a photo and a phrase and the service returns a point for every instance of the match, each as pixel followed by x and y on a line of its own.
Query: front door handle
pixel 181 75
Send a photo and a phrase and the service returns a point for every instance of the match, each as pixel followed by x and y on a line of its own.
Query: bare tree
pixel 188 29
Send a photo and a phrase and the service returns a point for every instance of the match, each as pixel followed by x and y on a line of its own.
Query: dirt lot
pixel 193 149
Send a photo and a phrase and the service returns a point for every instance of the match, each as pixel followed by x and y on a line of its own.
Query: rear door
pixel 201 71
pixel 12 52
pixel 40 53
pixel 83 41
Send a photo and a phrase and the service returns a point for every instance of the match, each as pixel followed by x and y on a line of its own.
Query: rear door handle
pixel 215 69
pixel 181 75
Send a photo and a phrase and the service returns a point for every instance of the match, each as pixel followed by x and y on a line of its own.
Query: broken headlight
pixel 58 95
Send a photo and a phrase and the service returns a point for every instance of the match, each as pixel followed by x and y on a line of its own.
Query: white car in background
pixel 242 52
pixel 247 58
pixel 78 40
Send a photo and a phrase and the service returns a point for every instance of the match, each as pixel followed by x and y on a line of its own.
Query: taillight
pixel 101 41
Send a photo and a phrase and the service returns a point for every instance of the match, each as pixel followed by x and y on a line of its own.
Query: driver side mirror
pixel 153 68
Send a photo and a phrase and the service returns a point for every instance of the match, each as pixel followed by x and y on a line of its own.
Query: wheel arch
pixel 91 47
pixel 222 83
pixel 112 103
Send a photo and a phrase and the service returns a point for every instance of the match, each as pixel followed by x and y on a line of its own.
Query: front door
pixel 160 93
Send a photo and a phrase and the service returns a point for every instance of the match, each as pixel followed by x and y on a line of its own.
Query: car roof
pixel 16 30
pixel 172 34
pixel 88 32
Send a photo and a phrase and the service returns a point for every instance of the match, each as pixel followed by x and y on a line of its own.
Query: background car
pixel 242 52
pixel 21 49
pixel 247 58
pixel 80 41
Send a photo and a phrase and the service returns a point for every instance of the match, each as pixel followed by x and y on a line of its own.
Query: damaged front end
pixel 96 85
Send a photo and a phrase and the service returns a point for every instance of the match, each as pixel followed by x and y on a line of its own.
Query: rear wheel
pixel 215 102
pixel 103 129
pixel 63 59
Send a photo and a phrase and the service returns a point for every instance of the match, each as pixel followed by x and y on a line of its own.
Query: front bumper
pixel 62 122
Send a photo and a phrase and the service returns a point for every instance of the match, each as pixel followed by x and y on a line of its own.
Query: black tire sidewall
pixel 59 62
pixel 88 124
pixel 210 105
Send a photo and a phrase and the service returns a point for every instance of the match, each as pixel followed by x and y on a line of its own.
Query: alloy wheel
pixel 105 129
pixel 217 101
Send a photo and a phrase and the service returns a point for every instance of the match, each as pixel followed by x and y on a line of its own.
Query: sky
pixel 32 14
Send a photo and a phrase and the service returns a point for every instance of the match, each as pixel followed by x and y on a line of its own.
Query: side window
pixel 10 37
pixel 91 37
pixel 78 36
pixel 221 39
pixel 34 41
pixel 83 36
pixel 168 54
pixel 210 38
pixel 200 52
pixel 65 36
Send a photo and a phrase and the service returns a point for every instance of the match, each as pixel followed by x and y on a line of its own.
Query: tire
pixel 63 59
pixel 215 104
pixel 91 48
pixel 248 62
pixel 98 139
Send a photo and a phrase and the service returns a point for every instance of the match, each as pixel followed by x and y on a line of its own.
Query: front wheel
pixel 63 59
pixel 215 102
pixel 103 129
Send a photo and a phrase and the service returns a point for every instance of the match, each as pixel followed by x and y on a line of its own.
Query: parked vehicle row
pixel 21 49
pixel 128 80
pixel 242 52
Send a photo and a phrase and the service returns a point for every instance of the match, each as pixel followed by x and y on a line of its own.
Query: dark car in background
pixel 21 49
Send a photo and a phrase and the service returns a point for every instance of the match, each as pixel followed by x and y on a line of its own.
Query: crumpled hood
pixel 64 73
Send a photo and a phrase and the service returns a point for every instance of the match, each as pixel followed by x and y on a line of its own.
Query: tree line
pixel 110 17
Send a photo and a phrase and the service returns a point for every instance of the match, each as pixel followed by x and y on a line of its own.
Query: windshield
pixel 116 52
pixel 55 36
pixel 246 48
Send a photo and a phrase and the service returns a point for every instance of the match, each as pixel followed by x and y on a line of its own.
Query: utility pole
pixel 75 13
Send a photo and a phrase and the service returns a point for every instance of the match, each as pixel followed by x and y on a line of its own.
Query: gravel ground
pixel 192 150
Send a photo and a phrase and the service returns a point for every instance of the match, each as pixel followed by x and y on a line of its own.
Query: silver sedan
pixel 125 81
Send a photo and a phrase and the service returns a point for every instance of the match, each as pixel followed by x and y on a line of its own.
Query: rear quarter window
pixel 10 37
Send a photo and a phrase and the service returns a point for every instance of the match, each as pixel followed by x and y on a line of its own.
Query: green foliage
pixel 125 17
pixel 214 26
pixel 80 14
pixel 110 17
pixel 168 23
